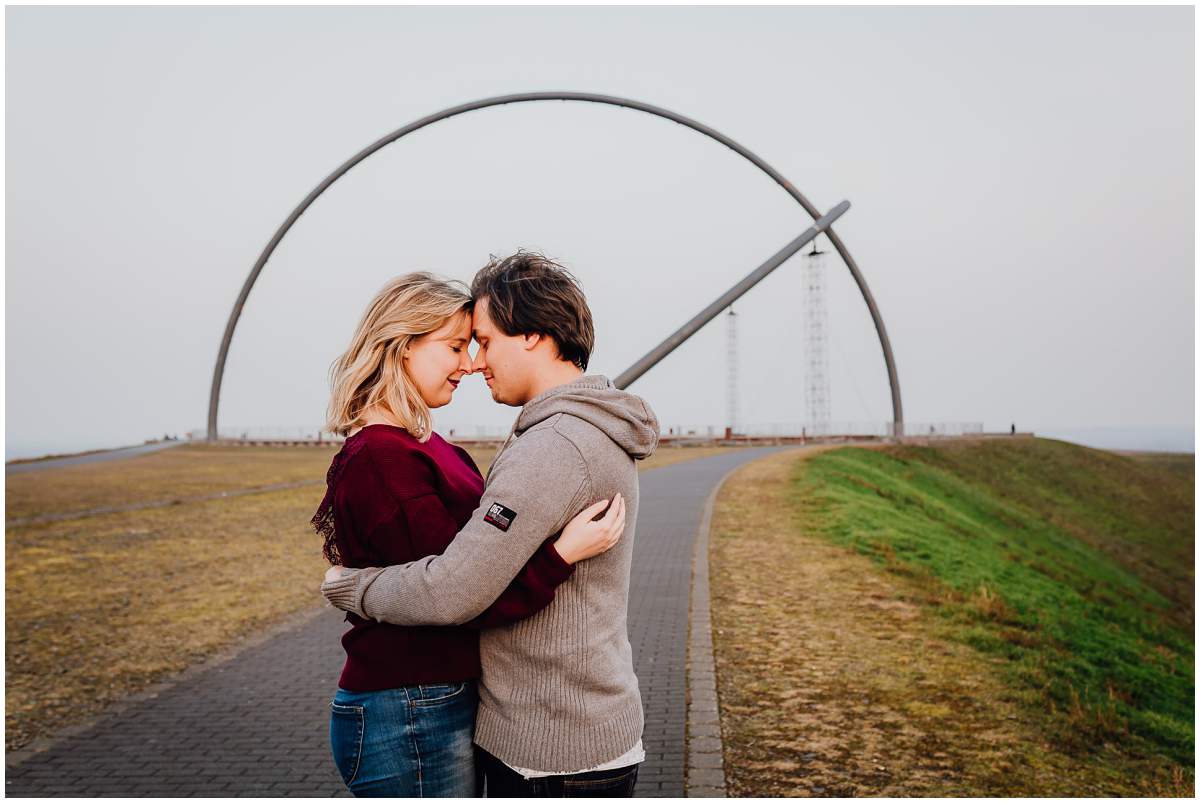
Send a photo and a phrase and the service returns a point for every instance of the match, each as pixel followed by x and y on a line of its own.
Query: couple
pixel 500 616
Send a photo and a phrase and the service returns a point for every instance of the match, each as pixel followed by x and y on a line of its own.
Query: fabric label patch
pixel 500 516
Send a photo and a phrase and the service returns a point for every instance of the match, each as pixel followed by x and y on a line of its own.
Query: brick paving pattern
pixel 706 768
pixel 254 726
pixel 257 725
pixel 672 506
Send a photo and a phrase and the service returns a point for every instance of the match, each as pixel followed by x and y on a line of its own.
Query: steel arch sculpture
pixel 525 97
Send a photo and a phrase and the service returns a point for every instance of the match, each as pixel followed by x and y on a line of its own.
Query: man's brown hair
pixel 528 294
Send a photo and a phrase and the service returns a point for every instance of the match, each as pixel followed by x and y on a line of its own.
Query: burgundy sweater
pixel 390 499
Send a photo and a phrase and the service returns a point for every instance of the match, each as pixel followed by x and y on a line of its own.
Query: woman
pixel 402 719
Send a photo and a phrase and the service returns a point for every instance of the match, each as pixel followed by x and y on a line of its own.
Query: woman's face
pixel 436 362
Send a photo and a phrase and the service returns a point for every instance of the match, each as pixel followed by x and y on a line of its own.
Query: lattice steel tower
pixel 731 359
pixel 816 341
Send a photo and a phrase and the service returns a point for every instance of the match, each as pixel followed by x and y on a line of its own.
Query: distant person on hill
pixel 403 716
pixel 560 713
pixel 1013 431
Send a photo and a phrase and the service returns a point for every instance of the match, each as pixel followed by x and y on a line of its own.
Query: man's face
pixel 504 360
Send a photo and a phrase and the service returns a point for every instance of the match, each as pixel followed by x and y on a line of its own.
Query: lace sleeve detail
pixel 323 520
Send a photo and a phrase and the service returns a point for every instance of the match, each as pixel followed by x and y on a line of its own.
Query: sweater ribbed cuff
pixel 343 593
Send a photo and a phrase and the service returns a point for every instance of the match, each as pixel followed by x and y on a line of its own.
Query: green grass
pixel 1071 566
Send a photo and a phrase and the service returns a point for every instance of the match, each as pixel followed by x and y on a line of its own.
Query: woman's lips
pixel 454 382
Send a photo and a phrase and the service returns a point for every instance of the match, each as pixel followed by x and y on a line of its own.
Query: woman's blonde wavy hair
pixel 371 374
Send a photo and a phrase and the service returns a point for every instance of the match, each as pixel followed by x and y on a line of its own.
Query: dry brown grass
pixel 195 470
pixel 100 607
pixel 833 678
pixel 183 471
pixel 104 605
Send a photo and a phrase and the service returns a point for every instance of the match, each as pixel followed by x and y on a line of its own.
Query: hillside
pixel 1072 564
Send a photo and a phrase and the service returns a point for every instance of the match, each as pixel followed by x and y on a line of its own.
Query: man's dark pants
pixel 502 781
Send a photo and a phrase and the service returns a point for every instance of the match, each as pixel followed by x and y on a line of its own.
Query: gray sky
pixel 1022 182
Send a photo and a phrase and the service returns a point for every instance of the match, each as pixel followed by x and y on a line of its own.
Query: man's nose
pixel 479 363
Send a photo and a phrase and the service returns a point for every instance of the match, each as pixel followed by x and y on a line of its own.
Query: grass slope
pixel 1073 564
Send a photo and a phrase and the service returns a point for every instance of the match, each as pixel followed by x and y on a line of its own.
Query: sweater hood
pixel 624 417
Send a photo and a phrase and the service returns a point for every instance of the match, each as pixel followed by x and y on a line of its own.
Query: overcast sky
pixel 1021 181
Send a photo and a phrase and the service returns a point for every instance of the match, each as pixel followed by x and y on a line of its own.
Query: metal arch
pixel 524 97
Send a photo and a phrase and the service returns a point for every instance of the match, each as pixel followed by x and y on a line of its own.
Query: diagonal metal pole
pixel 733 294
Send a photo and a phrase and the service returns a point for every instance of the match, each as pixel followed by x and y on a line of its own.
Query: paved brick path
pixel 94 457
pixel 257 725
pixel 672 506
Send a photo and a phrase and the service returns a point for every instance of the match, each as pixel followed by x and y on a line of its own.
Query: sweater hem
pixel 561 747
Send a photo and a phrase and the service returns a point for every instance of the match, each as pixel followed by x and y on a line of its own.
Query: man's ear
pixel 531 341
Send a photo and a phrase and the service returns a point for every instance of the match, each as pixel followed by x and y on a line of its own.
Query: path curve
pixel 257 724
pixel 90 457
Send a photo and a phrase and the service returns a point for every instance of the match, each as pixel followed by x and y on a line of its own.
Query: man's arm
pixel 531 590
pixel 537 486
pixel 423 524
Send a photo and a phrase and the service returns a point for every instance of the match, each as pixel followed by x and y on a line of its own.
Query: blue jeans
pixel 412 741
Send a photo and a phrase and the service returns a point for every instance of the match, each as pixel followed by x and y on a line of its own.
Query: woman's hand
pixel 584 538
pixel 334 573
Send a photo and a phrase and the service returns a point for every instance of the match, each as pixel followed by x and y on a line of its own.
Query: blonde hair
pixel 371 372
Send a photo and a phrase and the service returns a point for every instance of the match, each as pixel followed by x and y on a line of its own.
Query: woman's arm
pixel 425 523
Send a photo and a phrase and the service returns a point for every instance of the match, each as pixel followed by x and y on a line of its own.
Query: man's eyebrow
pixel 475 333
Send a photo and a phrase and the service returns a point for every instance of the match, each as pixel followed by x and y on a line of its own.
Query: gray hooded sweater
pixel 557 692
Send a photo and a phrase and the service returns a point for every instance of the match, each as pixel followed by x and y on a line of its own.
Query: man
pixel 560 711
